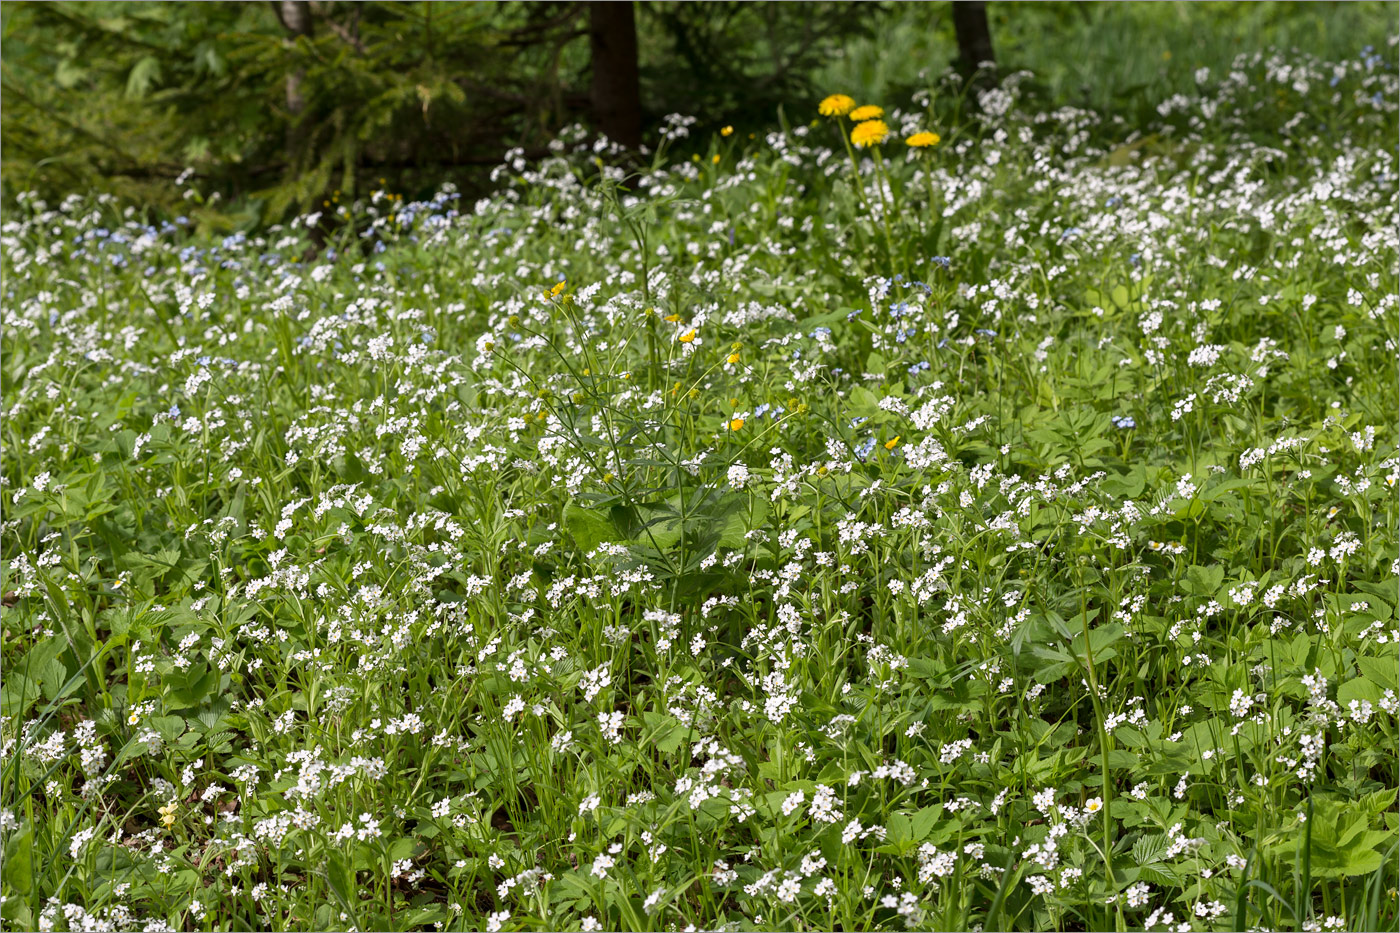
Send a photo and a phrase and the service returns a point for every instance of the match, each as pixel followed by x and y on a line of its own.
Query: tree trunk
pixel 616 90
pixel 295 16
pixel 974 36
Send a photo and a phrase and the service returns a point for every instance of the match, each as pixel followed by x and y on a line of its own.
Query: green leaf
pixel 740 524
pixel 900 829
pixel 168 728
pixel 195 684
pixel 17 694
pixel 589 527
pixel 18 871
pixel 1378 671
pixel 145 74
pixel 1126 485
pixel 1358 689
pixel 922 823
pixel 341 879
pixel 864 403
pixel 1148 849
pixel 1203 581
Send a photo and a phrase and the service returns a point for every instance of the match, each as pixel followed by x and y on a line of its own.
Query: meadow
pixel 953 512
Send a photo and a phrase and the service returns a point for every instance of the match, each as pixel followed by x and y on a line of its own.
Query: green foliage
pixel 135 93
pixel 733 61
pixel 792 537
pixel 125 96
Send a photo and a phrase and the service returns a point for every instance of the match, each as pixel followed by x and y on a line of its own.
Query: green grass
pixel 791 538
pixel 1117 57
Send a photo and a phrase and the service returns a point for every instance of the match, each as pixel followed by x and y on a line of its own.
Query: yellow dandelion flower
pixel 736 424
pixel 837 105
pixel 869 133
pixel 868 112
pixel 688 336
pixel 923 140
pixel 727 131
pixel 890 444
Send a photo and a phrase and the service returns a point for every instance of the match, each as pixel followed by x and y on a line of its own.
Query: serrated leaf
pixel 1149 849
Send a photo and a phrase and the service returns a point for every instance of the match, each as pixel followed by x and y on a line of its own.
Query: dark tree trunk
pixel 616 92
pixel 295 16
pixel 974 36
